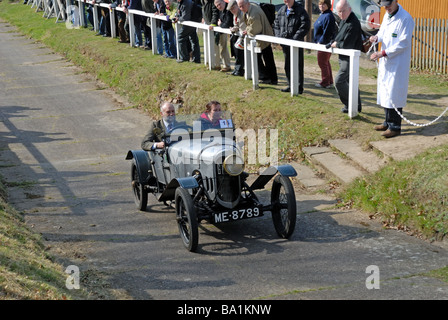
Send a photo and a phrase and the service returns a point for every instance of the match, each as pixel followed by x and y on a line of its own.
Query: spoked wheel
pixel 186 219
pixel 140 194
pixel 284 209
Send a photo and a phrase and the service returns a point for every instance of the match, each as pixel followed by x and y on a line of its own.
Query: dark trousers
pixel 287 55
pixel 138 29
pixel 90 14
pixel 393 119
pixel 188 38
pixel 147 31
pixel 105 21
pixel 266 65
pixel 239 56
pixel 342 82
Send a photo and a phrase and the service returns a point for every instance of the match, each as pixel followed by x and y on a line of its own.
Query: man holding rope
pixel 394 62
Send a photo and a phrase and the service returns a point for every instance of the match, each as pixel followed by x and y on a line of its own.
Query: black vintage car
pixel 202 173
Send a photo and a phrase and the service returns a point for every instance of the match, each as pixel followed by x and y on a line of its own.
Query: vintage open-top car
pixel 201 171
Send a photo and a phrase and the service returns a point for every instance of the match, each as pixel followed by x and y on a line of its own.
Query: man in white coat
pixel 394 61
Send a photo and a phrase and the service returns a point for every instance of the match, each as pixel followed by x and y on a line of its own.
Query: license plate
pixel 238 214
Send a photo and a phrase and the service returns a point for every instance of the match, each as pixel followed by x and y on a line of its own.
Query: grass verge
pixel 26 270
pixel 409 195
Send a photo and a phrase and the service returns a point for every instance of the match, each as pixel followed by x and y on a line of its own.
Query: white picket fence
pixel 57 8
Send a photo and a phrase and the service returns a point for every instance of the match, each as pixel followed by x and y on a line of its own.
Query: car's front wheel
pixel 186 219
pixel 284 212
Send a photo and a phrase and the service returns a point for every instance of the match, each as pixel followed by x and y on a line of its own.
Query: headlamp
pixel 233 165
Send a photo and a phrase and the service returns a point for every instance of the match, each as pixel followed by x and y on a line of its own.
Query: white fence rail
pixel 250 54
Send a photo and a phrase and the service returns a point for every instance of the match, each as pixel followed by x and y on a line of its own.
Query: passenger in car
pixel 212 115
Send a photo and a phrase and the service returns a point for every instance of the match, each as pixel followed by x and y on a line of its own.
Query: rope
pixel 373 49
pixel 419 124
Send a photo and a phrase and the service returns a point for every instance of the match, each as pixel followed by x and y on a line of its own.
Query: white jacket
pixel 395 35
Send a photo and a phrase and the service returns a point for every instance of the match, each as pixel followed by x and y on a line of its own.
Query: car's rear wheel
pixel 140 193
pixel 186 219
pixel 284 212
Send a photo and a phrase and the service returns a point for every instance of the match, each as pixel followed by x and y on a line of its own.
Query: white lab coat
pixel 395 35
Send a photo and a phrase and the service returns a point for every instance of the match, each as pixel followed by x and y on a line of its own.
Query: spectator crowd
pixel 242 18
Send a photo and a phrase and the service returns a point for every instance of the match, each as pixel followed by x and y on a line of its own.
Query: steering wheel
pixel 183 126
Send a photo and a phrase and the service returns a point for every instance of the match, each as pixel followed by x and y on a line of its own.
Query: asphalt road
pixel 63 142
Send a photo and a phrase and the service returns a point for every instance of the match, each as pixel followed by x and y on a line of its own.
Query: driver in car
pixel 158 128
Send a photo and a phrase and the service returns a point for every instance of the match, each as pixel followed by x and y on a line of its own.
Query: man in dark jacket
pixel 147 6
pixel 349 37
pixel 292 22
pixel 187 34
pixel 210 17
pixel 136 5
pixel 209 11
pixel 104 18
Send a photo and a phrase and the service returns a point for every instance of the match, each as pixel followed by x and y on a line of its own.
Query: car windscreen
pixel 203 121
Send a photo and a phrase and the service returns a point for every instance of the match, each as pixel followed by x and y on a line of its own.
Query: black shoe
pixel 266 81
pixel 287 89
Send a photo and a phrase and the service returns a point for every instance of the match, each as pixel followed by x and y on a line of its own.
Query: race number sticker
pixel 225 123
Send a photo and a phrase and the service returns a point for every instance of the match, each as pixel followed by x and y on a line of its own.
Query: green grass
pixel 408 195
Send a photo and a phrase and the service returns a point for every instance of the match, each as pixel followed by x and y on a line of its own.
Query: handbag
pixel 366 44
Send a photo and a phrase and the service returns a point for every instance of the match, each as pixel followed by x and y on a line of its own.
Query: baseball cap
pixel 383 3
